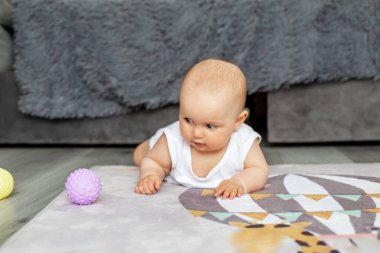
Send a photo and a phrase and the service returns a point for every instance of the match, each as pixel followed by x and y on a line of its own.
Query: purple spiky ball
pixel 83 186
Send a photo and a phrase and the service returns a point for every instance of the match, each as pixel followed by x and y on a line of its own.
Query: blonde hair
pixel 215 76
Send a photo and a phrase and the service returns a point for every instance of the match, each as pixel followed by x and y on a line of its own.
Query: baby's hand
pixel 229 188
pixel 148 185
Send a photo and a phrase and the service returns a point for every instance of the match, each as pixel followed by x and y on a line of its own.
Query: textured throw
pixel 98 58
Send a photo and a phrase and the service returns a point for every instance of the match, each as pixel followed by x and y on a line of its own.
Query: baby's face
pixel 207 121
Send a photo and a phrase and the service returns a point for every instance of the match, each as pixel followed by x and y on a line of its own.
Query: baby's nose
pixel 197 132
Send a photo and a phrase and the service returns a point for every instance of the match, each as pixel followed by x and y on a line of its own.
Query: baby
pixel 209 146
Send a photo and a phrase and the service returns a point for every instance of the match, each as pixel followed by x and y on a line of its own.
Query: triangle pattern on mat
pixel 372 210
pixel 293 216
pixel 287 196
pixel 355 213
pixel 316 196
pixel 257 216
pixel 221 215
pixel 197 213
pixel 349 197
pixel 323 215
pixel 257 196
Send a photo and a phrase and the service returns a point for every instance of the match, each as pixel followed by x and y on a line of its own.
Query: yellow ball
pixel 6 183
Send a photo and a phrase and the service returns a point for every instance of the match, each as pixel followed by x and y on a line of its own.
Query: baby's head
pixel 218 79
pixel 212 101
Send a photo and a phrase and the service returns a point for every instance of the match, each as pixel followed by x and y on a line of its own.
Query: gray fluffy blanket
pixel 97 58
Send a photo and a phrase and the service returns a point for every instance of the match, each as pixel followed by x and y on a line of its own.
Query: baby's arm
pixel 154 167
pixel 252 178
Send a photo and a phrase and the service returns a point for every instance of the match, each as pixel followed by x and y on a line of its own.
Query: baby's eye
pixel 210 126
pixel 187 120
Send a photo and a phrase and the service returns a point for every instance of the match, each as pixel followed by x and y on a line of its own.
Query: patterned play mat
pixel 302 208
pixel 295 213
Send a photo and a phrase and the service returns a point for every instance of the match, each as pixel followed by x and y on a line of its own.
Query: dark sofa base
pixel 16 128
pixel 331 112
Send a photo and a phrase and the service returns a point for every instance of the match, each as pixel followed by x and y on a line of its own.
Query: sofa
pixel 324 107
pixel 17 128
pixel 6 55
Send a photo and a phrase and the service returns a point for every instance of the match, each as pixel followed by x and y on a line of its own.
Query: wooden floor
pixel 40 172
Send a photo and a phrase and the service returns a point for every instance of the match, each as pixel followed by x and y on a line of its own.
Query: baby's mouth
pixel 198 144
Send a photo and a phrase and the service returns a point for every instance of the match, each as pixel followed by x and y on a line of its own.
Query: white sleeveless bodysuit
pixel 231 163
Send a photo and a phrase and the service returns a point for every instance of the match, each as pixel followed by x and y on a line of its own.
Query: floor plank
pixel 361 154
pixel 305 155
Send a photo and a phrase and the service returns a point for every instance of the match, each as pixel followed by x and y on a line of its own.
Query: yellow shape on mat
pixel 374 195
pixel 238 224
pixel 316 196
pixel 302 224
pixel 372 210
pixel 269 238
pixel 257 216
pixel 324 215
pixel 257 196
pixel 197 213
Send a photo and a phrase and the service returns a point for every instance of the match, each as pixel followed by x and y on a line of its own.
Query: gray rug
pixel 98 58
pixel 179 219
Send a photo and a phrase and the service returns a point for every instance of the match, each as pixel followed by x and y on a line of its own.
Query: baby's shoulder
pixel 244 138
pixel 173 128
pixel 244 132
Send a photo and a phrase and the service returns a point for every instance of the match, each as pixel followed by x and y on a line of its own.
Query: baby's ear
pixel 241 118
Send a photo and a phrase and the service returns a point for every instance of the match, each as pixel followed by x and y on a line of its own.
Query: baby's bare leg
pixel 140 152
